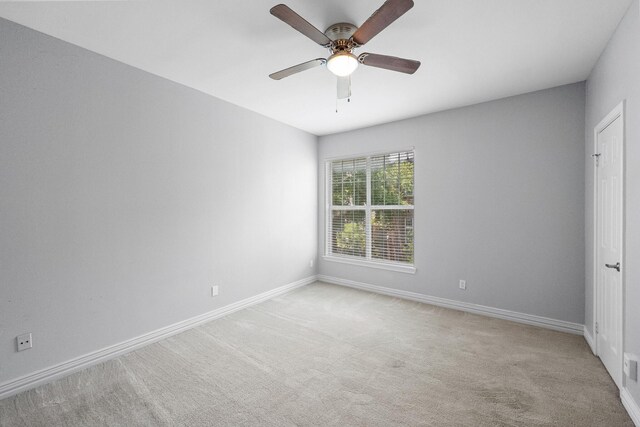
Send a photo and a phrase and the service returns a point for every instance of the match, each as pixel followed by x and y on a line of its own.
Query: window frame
pixel 366 261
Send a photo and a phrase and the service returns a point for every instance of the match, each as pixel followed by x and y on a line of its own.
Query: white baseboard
pixel 630 405
pixel 589 339
pixel 46 375
pixel 529 319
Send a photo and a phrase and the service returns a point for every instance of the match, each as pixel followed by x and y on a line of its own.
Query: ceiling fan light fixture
pixel 342 63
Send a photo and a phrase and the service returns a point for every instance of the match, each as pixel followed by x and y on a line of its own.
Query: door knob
pixel 616 266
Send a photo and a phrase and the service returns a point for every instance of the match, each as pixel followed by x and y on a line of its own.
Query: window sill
pixel 401 268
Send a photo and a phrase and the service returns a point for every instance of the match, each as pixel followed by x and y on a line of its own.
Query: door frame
pixel 617 112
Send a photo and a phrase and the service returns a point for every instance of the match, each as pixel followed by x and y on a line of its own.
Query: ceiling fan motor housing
pixel 340 34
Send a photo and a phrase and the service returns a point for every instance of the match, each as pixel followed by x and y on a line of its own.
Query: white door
pixel 609 232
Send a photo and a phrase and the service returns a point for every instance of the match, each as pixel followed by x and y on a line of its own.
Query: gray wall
pixel 616 77
pixel 499 202
pixel 124 196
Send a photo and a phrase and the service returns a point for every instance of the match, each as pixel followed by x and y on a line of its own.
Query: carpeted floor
pixel 326 355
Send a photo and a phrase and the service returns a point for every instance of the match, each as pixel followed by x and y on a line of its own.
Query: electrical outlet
pixel 214 290
pixel 311 263
pixel 630 367
pixel 24 341
pixel 463 285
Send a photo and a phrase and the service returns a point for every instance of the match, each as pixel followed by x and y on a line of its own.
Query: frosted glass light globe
pixel 342 63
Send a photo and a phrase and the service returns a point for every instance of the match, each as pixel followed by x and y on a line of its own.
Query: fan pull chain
pixel 338 103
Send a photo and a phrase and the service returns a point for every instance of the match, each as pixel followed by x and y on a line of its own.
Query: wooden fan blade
pixel 392 63
pixel 297 68
pixel 288 16
pixel 381 19
pixel 344 87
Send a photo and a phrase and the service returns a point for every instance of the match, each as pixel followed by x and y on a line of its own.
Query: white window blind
pixel 370 208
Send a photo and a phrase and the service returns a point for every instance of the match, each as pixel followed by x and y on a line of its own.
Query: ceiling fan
pixel 342 39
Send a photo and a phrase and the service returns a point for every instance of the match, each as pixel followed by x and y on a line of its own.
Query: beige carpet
pixel 326 355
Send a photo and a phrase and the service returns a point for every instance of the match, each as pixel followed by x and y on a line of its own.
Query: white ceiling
pixel 471 50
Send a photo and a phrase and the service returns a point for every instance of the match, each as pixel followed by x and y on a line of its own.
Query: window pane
pixel 377 181
pixel 336 180
pixel 348 233
pixel 349 182
pixel 392 179
pixel 392 235
pixel 361 187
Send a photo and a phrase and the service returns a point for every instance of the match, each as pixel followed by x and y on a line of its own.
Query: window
pixel 370 209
